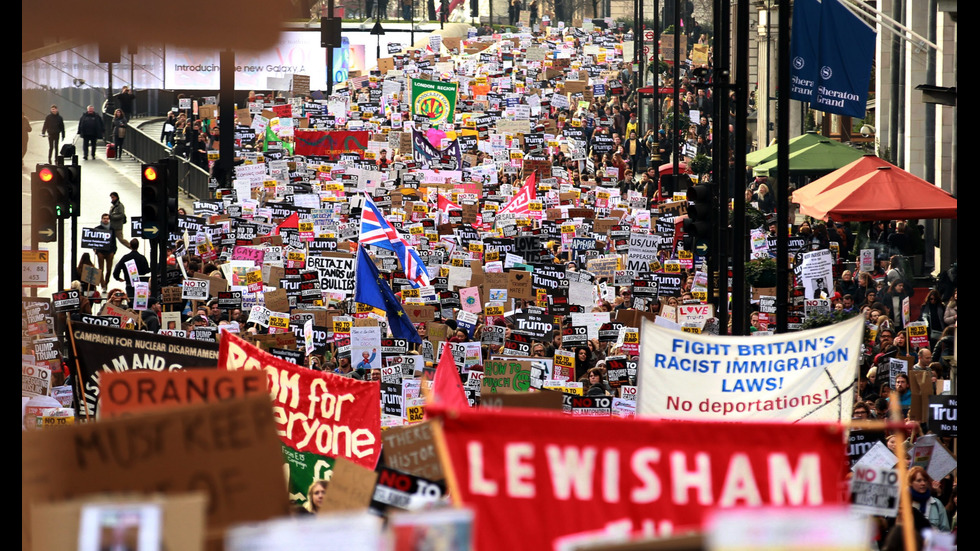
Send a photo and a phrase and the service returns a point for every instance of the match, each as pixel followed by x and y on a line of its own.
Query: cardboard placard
pixel 419 313
pixel 171 295
pixel 217 284
pixel 230 449
pixel 57 525
pixel 519 284
pixel 505 376
pixel 144 390
pixel 350 489
pixel 277 300
pixel 921 384
pixel 411 449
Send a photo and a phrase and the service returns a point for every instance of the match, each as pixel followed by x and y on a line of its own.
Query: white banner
pixel 803 375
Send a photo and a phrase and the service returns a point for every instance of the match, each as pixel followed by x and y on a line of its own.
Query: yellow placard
pixel 279 322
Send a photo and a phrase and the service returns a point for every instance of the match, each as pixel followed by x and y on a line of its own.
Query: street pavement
pixel 100 176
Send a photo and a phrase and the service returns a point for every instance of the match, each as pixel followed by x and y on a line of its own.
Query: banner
pixel 101 349
pixel 435 100
pixel 804 375
pixel 315 412
pixel 533 477
pixel 804 49
pixel 847 52
pixel 425 153
pixel 831 52
pixel 330 143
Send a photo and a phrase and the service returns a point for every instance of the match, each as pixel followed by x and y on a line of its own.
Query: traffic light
pixel 330 32
pixel 697 225
pixel 154 195
pixel 170 165
pixel 44 203
pixel 72 178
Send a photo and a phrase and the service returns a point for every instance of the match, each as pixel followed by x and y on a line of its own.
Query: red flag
pixel 292 221
pixel 521 201
pixel 447 388
pixel 445 204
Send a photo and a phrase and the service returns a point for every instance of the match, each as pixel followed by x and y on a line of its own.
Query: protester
pixel 106 254
pixel 920 488
pixel 121 272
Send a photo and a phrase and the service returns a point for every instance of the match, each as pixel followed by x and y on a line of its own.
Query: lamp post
pixel 378 31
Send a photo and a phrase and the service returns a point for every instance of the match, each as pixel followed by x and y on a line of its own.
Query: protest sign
pixel 542 481
pixel 303 469
pixel 789 377
pixel 943 415
pixel 103 349
pixel 875 491
pixel 227 449
pixel 506 376
pixel 315 412
pixel 129 391
pixel 350 488
pixel 411 449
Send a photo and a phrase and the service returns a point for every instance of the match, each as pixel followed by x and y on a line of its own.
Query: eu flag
pixel 371 289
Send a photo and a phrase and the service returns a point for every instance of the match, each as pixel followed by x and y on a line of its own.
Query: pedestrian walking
pixel 117 218
pixel 119 127
pixel 54 129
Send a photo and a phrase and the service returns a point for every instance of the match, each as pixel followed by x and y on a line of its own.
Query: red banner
pixel 330 143
pixel 533 477
pixel 315 412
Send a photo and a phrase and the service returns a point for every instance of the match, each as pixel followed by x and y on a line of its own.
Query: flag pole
pixel 78 373
pixel 447 466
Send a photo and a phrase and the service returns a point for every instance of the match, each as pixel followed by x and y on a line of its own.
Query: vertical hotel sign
pixel 831 53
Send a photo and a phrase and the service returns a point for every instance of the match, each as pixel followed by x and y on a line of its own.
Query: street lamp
pixel 378 30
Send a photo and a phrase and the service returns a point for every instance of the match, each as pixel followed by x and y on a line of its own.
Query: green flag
pixel 436 100
pixel 270 137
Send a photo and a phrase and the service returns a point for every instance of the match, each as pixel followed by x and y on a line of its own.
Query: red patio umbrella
pixel 860 167
pixel 885 193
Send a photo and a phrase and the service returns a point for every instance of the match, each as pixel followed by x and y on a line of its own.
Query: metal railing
pixel 191 178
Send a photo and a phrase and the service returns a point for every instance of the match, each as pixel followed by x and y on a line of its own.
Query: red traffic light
pixel 150 173
pixel 45 174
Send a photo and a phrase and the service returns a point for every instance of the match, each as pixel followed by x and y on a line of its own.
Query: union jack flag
pixel 375 230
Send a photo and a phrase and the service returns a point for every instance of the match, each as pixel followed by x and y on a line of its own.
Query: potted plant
pixel 761 272
pixel 700 165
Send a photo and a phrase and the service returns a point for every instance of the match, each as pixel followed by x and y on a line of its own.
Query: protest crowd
pixel 485 213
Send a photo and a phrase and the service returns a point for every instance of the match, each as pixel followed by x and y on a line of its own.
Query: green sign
pixel 435 100
pixel 304 468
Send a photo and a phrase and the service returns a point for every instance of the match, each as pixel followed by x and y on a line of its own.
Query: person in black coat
pixel 91 128
pixel 121 273
pixel 54 128
pixel 125 100
pixel 151 316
